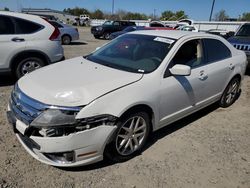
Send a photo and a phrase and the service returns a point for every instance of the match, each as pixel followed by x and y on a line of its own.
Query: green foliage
pixel 135 16
pixel 6 9
pixel 221 16
pixel 245 16
pixel 76 11
pixel 97 14
pixel 173 16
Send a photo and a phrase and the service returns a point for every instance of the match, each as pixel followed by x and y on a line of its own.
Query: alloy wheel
pixel 30 66
pixel 232 92
pixel 131 135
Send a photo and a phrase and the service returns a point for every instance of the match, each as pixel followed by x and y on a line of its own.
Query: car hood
pixel 239 40
pixel 74 82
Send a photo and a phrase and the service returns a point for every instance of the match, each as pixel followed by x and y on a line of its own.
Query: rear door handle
pixel 17 39
pixel 203 75
pixel 231 66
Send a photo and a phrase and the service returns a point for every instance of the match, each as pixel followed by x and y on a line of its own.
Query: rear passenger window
pixel 116 23
pixel 6 26
pixel 26 27
pixel 216 50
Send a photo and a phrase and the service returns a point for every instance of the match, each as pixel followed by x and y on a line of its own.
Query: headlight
pixel 55 122
pixel 98 28
pixel 54 118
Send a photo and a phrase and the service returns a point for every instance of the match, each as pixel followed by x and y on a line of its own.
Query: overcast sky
pixel 195 9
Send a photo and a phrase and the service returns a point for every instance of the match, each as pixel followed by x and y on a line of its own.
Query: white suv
pixel 27 42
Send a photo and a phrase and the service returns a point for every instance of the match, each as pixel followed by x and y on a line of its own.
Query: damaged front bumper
pixel 77 149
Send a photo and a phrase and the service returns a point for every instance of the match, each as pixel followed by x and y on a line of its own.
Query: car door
pixel 180 94
pixel 117 26
pixel 10 42
pixel 218 68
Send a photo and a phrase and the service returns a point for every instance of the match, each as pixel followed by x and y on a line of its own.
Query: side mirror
pixel 180 70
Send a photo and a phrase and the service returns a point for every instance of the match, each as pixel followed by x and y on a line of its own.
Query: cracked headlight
pixel 55 122
pixel 55 118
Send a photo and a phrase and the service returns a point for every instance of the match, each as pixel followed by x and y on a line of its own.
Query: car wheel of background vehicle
pixel 66 39
pixel 96 36
pixel 106 36
pixel 130 137
pixel 230 94
pixel 28 65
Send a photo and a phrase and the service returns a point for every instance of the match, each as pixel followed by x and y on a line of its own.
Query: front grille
pixel 244 47
pixel 25 108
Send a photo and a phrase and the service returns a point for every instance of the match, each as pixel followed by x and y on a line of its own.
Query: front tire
pixel 97 36
pixel 231 93
pixel 106 36
pixel 28 65
pixel 130 137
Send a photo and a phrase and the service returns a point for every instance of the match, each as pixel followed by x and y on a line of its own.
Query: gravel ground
pixel 208 149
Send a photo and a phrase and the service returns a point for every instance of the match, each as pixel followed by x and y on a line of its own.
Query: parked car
pixel 109 102
pixel 68 33
pixel 188 28
pixel 221 32
pixel 109 27
pixel 241 40
pixel 126 30
pixel 135 28
pixel 27 43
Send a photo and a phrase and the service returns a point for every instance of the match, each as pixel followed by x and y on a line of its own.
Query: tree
pixel 135 16
pixel 221 16
pixel 6 9
pixel 169 15
pixel 245 16
pixel 97 14
pixel 121 13
pixel 76 11
pixel 180 15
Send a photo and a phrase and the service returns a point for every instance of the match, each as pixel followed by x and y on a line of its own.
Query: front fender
pixel 118 102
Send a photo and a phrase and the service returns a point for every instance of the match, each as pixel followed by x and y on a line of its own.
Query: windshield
pixel 133 53
pixel 108 23
pixel 244 31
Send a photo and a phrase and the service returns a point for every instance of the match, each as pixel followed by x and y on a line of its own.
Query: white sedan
pixel 68 33
pixel 107 103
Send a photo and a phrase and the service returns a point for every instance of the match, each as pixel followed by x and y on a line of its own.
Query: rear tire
pixel 66 40
pixel 28 65
pixel 97 37
pixel 231 93
pixel 131 135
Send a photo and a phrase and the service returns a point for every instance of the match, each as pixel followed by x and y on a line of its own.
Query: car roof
pixel 174 34
pixel 17 14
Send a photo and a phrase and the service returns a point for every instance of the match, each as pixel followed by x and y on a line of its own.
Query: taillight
pixel 55 34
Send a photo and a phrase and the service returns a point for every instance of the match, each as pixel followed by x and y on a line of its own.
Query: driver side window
pixel 190 53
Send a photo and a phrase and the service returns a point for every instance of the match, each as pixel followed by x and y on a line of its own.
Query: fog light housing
pixel 63 157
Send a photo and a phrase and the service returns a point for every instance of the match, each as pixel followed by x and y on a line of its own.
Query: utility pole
pixel 113 6
pixel 211 13
pixel 154 14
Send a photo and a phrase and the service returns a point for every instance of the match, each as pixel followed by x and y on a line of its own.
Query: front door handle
pixel 17 39
pixel 231 66
pixel 203 75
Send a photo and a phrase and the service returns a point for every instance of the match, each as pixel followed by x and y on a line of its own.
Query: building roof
pixel 37 10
